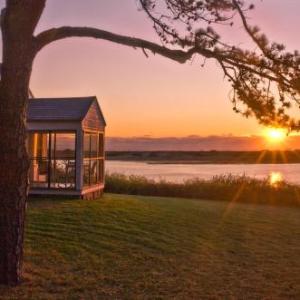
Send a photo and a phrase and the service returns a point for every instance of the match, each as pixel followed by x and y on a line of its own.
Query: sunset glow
pixel 148 96
pixel 275 135
pixel 275 178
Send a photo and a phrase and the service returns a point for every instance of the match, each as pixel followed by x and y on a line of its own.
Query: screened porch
pixel 66 146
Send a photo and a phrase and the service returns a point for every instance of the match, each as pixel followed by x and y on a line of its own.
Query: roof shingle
pixel 59 109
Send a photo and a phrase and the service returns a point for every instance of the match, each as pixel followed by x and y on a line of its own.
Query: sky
pixel 147 96
pixel 201 143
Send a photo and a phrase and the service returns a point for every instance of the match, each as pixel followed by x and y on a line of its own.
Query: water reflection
pixel 275 178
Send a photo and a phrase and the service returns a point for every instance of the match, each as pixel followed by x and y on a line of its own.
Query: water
pixel 181 172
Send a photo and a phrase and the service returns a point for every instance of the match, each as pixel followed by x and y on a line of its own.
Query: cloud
pixel 197 143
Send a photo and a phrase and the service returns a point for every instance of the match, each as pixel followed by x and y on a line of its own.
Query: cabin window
pixel 38 149
pixel 93 158
pixel 52 156
pixel 62 160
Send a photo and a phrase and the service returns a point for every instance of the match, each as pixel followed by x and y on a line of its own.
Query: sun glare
pixel 275 178
pixel 275 135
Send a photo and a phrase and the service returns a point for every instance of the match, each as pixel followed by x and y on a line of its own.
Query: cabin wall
pixel 94 123
pixel 93 119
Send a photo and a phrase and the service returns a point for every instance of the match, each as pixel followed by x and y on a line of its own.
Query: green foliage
pixel 227 188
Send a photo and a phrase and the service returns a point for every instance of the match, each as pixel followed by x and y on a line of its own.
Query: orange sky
pixel 153 96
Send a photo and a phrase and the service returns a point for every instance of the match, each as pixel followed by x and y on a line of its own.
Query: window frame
pixel 49 158
pixel 99 159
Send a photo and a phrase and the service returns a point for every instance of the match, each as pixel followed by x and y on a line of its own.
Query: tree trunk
pixel 13 162
pixel 18 21
pixel 13 181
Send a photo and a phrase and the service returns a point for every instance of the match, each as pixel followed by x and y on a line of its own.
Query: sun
pixel 275 135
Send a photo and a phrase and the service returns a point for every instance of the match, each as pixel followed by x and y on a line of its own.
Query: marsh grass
pixel 226 188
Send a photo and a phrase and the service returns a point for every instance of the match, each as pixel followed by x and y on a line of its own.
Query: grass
pixel 226 188
pixel 134 247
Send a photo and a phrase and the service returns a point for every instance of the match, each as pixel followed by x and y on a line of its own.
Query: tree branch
pixel 55 34
pixel 248 71
pixel 249 30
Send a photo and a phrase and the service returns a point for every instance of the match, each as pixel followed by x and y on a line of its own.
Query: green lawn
pixel 130 247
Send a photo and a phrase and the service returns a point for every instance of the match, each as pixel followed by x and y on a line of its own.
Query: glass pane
pixel 63 145
pixel 94 170
pixel 94 145
pixel 86 145
pixel 38 173
pixel 101 171
pixel 38 144
pixel 63 173
pixel 86 172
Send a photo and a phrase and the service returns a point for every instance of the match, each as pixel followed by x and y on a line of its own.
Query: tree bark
pixel 18 21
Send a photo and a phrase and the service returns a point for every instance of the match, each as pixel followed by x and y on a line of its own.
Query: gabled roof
pixel 60 109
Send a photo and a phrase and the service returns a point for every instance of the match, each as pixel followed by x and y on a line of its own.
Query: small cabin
pixel 66 147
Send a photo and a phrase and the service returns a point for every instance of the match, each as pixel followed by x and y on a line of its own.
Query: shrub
pixel 224 187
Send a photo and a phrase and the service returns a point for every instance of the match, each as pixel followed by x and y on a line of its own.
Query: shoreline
pixel 170 162
pixel 206 157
